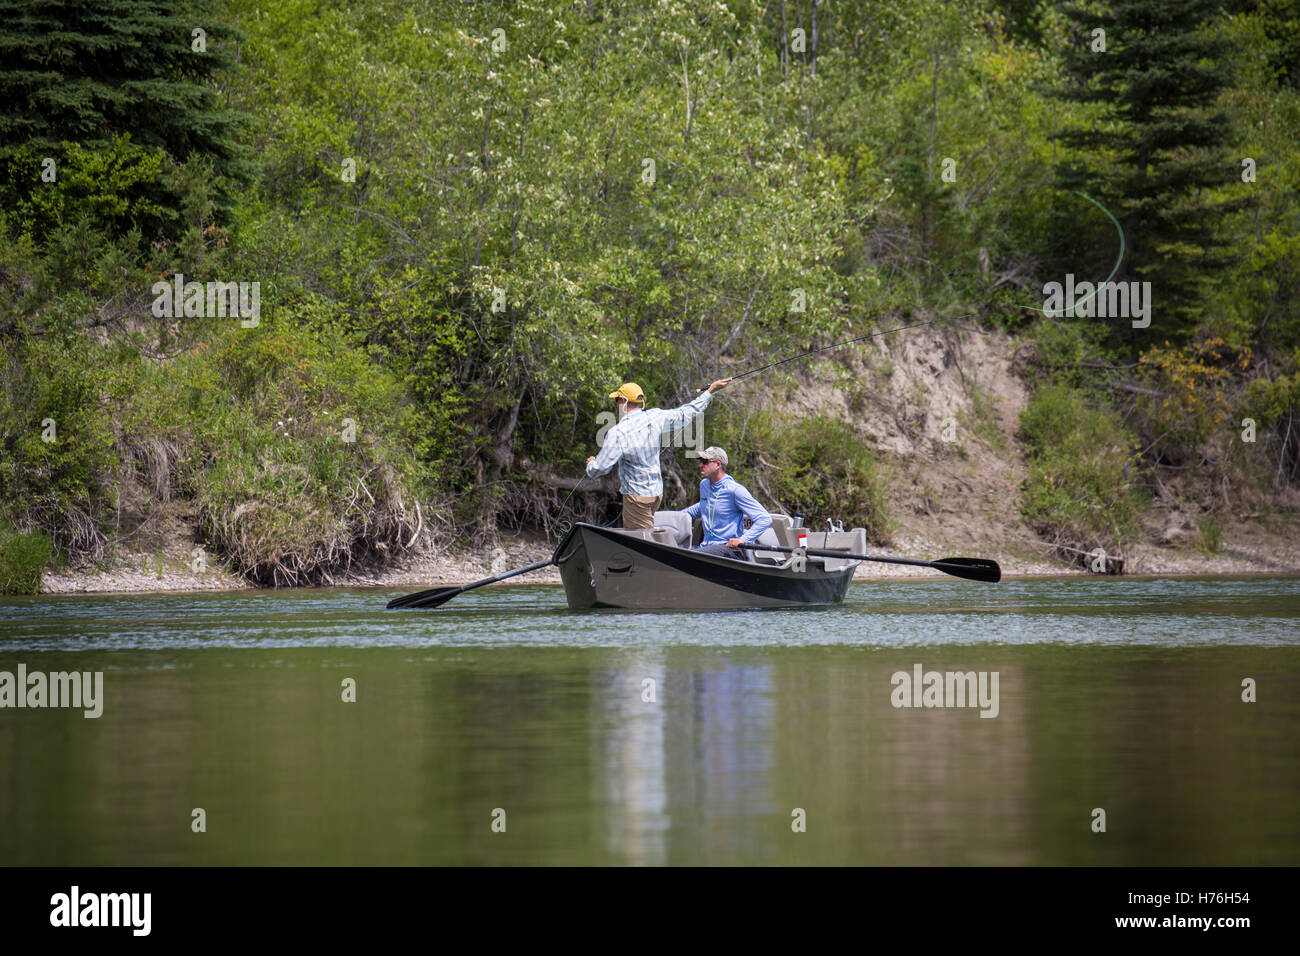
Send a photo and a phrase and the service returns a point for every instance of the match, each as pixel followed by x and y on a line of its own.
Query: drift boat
pixel 656 570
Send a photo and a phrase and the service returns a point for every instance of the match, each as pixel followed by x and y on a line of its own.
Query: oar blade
pixel 436 596
pixel 430 598
pixel 973 569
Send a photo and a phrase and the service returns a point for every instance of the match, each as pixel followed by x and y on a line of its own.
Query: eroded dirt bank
pixel 942 410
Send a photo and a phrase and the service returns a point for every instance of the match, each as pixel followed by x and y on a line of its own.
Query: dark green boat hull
pixel 608 567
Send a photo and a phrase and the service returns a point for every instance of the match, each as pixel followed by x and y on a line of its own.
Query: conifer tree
pixel 87 73
pixel 1156 155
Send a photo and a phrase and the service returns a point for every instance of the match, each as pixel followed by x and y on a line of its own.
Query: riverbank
pixel 954 465
pixel 1248 549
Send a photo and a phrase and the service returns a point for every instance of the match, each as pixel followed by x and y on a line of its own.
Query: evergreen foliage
pixel 1156 148
pixel 83 77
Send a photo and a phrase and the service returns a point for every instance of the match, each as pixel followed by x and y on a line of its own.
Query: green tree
pixel 1281 21
pixel 79 75
pixel 1156 149
pixel 934 116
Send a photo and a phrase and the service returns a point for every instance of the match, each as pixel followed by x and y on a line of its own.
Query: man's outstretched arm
pixel 676 418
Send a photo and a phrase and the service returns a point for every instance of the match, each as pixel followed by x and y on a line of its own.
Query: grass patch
pixel 818 467
pixel 1081 490
pixel 57 437
pixel 22 560
pixel 1211 530
pixel 301 464
pixel 983 420
pixel 294 444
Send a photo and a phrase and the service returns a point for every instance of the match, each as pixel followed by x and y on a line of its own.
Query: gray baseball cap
pixel 714 453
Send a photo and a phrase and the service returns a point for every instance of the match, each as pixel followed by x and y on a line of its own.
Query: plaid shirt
pixel 634 444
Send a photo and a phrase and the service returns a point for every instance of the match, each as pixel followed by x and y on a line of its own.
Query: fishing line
pixel 565 525
pixel 824 348
pixel 902 328
pixel 1120 259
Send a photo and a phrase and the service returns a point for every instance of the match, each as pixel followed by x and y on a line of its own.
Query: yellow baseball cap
pixel 631 391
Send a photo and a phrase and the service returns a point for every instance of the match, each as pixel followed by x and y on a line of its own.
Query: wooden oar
pixel 976 569
pixel 436 596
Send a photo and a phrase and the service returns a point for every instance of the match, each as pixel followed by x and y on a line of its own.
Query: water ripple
pixel 1123 611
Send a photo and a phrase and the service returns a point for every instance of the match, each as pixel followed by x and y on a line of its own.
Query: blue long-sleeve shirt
pixel 721 508
pixel 635 443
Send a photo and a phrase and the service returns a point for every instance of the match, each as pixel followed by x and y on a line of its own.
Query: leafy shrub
pixel 817 467
pixel 56 428
pixel 301 461
pixel 1275 407
pixel 1187 400
pixel 1081 485
pixel 115 188
pixel 1211 534
pixel 22 560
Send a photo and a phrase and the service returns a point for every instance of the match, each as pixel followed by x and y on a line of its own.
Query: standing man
pixel 635 443
pixel 723 503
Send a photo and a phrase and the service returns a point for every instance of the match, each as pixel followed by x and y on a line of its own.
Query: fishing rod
pixel 563 525
pixel 977 568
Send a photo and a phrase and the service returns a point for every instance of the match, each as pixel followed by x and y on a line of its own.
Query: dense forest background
pixel 470 221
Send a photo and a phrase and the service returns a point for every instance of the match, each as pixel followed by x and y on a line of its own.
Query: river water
pixel 502 728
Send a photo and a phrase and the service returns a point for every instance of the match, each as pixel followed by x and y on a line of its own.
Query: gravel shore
pixel 134 573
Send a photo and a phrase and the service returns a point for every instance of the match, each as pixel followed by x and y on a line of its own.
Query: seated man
pixel 723 502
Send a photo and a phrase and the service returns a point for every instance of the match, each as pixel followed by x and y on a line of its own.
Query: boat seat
pixel 787 532
pixel 855 542
pixel 677 523
pixel 769 537
pixel 657 535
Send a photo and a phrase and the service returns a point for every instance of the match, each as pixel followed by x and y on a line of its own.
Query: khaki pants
pixel 639 510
